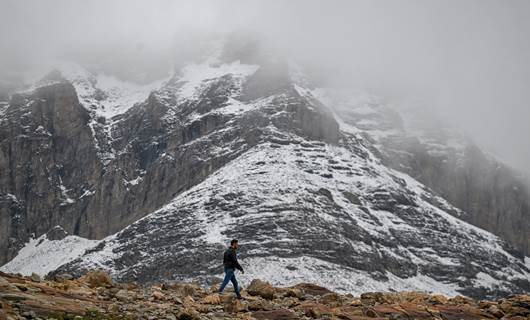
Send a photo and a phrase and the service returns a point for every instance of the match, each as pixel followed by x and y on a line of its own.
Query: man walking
pixel 230 264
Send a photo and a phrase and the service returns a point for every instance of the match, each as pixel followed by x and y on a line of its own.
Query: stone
pixel 188 314
pixel 294 292
pixel 438 299
pixel 35 277
pixel 114 308
pixel 260 304
pixel 315 310
pixel 6 285
pixel 280 314
pixel 261 288
pixel 330 299
pixel 495 311
pixel 97 278
pixel 460 300
pixel 63 277
pixel 158 295
pixel 123 295
pixel 312 289
pixel 372 298
pixel 235 306
pixel 188 301
pixel 212 299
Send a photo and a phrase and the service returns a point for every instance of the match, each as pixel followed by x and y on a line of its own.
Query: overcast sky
pixel 467 60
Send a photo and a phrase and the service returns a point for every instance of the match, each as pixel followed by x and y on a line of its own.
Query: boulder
pixel 260 304
pixel 280 314
pixel 312 289
pixel 372 298
pixel 123 295
pixel 212 299
pixel 158 295
pixel 261 288
pixel 235 306
pixel 294 292
pixel 315 310
pixel 330 299
pixel 63 277
pixel 35 277
pixel 495 311
pixel 6 285
pixel 97 278
pixel 188 314
pixel 184 289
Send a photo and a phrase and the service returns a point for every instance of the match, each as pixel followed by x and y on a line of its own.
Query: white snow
pixel 194 75
pixel 42 255
pixel 290 271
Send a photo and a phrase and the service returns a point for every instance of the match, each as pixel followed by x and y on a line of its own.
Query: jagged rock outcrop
pixel 107 173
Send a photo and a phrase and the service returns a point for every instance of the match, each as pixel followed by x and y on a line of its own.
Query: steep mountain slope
pixel 307 200
pixel 490 194
pixel 105 173
pixel 304 208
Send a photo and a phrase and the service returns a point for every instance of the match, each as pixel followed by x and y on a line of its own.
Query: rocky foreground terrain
pixel 96 296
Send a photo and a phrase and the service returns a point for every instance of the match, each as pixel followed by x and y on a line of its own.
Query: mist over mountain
pixel 466 61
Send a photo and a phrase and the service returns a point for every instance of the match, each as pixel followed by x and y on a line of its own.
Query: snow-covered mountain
pixel 313 184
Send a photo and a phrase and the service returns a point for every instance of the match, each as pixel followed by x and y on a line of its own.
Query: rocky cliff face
pixel 491 195
pixel 107 170
pixel 242 148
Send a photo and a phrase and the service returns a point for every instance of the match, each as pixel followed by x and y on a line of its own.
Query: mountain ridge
pixel 190 129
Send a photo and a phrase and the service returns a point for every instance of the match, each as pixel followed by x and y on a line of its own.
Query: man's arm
pixel 236 263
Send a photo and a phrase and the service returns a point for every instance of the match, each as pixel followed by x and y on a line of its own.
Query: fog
pixel 466 61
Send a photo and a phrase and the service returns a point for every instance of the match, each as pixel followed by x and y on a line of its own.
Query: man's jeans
pixel 230 276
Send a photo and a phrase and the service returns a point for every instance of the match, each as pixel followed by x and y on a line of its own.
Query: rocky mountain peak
pixel 161 175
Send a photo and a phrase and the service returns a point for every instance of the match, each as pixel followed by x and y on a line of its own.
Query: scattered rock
pixel 35 277
pixel 78 299
pixel 123 295
pixel 236 306
pixel 280 314
pixel 6 285
pixel 188 314
pixel 261 288
pixel 315 310
pixel 158 295
pixel 312 289
pixel 330 299
pixel 294 292
pixel 98 278
pixel 495 311
pixel 260 305
pixel 212 299
pixel 63 277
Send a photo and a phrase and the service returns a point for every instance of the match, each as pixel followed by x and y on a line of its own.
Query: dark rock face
pixel 104 181
pixel 489 194
pixel 45 145
pixel 492 195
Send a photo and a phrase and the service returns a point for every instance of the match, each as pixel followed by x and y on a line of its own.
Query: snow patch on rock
pixel 42 255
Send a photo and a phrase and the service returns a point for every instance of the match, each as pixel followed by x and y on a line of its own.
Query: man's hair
pixel 233 241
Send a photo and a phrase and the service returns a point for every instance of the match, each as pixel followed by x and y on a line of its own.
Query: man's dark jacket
pixel 230 259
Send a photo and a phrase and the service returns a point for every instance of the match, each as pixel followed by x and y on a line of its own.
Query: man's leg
pixel 236 287
pixel 229 273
